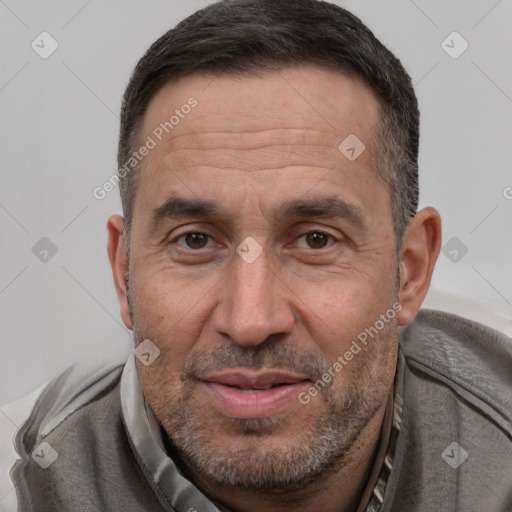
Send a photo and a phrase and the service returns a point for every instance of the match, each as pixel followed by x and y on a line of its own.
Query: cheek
pixel 368 361
pixel 156 317
pixel 349 311
pixel 165 302
pixel 347 302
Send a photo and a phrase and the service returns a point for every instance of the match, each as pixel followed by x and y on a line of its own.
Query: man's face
pixel 255 166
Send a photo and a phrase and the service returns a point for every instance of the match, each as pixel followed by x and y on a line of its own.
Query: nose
pixel 254 303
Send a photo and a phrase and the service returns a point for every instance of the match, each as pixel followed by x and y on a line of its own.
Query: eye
pixel 193 240
pixel 316 240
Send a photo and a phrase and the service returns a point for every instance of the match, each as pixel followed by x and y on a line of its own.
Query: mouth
pixel 240 393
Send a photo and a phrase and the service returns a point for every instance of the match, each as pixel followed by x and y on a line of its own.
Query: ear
pixel 418 255
pixel 119 264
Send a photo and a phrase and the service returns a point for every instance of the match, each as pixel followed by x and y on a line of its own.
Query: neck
pixel 338 489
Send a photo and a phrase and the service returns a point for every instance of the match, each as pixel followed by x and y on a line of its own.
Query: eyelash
pixel 318 232
pixel 183 235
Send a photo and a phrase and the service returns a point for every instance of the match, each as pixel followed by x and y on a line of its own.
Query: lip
pixel 237 393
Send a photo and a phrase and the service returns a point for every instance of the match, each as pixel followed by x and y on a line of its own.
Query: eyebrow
pixel 179 207
pixel 327 207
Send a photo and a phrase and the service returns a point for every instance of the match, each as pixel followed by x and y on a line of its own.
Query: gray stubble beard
pixel 323 449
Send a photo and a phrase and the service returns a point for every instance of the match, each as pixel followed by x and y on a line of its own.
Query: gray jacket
pixel 92 444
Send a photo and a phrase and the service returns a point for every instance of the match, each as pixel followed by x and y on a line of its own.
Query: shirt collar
pixel 142 427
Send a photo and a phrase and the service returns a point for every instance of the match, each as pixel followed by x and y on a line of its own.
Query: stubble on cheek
pixel 279 452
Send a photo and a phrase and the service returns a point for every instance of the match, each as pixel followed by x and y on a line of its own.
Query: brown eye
pixel 317 240
pixel 196 240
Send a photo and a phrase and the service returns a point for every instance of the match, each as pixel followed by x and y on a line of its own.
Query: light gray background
pixel 59 121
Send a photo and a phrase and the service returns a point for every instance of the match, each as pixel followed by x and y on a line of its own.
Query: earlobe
pixel 420 248
pixel 119 263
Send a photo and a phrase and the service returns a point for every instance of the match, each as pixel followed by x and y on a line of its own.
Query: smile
pixel 244 394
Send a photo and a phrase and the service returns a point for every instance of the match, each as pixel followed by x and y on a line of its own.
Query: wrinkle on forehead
pixel 292 119
pixel 251 160
pixel 297 98
pixel 269 127
pixel 253 139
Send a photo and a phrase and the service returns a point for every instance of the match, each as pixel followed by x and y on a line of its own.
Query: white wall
pixel 59 121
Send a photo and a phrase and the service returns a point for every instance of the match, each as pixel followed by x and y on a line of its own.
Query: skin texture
pixel 253 144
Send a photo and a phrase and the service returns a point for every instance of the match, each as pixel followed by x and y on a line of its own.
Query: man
pixel 270 250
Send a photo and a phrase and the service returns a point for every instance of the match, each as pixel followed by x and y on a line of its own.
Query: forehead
pixel 276 123
pixel 298 97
